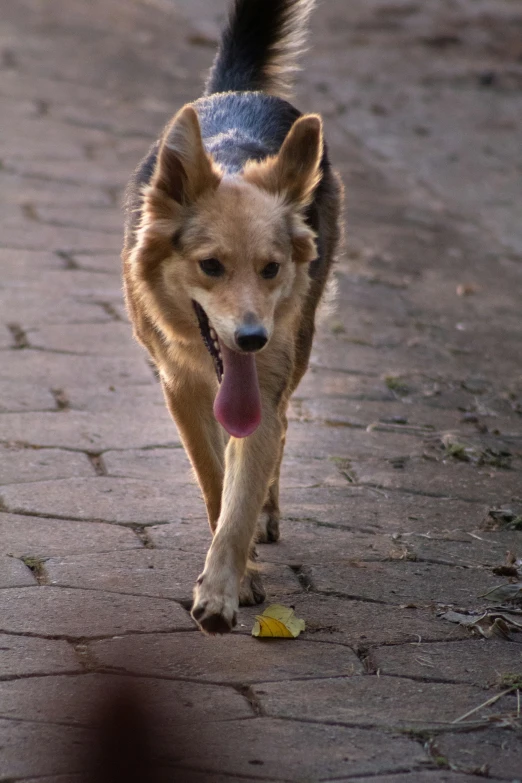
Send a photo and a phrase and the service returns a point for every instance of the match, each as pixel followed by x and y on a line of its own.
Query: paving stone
pixel 388 360
pixel 393 415
pixel 20 265
pixel 482 549
pixel 58 779
pixel 123 501
pixel 163 573
pixel 238 658
pixel 318 752
pixel 170 465
pixel 366 509
pixel 33 236
pixel 391 702
pixel 58 371
pixel 91 218
pixel 26 190
pixel 107 339
pixel 330 383
pixel 326 442
pixel 56 611
pixel 121 396
pixel 20 465
pixel 361 624
pixel 189 776
pixel 6 338
pixel 477 661
pixel 404 582
pixel 110 263
pixel 25 397
pixel 36 537
pixel 164 775
pixel 14 573
pixel 78 284
pixel 73 699
pixel 455 479
pixel 32 307
pixel 498 749
pixel 70 172
pixel 37 138
pixel 51 749
pixel 433 776
pixel 21 656
pixel 307 543
pixel 92 432
pixel 186 535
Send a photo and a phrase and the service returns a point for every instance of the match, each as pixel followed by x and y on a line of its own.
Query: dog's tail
pixel 259 46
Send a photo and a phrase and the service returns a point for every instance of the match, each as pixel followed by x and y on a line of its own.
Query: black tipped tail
pixel 260 46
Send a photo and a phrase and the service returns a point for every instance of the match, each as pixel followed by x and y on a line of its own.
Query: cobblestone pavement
pixel 405 434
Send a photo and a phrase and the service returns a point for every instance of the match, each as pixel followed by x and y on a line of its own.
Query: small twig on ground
pixel 485 704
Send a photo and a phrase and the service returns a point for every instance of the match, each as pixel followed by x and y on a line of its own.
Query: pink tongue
pixel 237 406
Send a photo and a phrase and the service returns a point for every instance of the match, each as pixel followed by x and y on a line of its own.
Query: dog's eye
pixel 212 267
pixel 270 270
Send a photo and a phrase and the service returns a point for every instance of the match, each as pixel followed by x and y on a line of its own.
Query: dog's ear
pixel 295 171
pixel 184 170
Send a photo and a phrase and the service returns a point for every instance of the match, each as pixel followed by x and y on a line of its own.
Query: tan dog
pixel 231 232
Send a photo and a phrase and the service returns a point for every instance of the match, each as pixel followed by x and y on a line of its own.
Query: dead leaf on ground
pixel 488 624
pixel 502 519
pixel 510 593
pixel 279 622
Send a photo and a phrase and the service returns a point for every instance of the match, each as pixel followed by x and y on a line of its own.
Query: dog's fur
pixel 241 178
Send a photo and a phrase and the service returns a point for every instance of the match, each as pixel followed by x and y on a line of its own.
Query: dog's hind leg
pixel 268 522
pixel 190 405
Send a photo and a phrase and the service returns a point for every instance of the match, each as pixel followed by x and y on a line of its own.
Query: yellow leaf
pixel 278 621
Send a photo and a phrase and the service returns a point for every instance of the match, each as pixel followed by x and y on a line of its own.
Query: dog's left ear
pixel 295 171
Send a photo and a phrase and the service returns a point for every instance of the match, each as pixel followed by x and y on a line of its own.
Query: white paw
pixel 215 607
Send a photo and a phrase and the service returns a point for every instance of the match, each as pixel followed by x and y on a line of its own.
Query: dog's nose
pixel 251 337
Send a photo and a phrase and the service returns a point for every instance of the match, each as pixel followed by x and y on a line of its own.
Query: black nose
pixel 251 338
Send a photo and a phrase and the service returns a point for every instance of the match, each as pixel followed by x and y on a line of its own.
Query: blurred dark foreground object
pixel 123 748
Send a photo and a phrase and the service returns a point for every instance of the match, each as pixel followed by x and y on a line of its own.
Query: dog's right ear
pixel 183 169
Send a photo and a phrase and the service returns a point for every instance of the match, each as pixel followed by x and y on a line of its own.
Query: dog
pixel 232 225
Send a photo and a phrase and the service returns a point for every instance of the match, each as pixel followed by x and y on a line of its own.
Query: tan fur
pixel 245 221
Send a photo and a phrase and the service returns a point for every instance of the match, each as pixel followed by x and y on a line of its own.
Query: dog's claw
pixel 213 624
pixel 214 610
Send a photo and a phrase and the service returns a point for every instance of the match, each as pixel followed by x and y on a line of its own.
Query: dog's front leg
pixel 249 467
pixel 190 405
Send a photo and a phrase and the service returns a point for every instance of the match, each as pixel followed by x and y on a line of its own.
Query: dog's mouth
pixel 237 406
pixel 210 339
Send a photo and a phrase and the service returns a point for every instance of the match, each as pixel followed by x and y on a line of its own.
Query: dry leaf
pixel 278 621
pixel 512 593
pixel 487 624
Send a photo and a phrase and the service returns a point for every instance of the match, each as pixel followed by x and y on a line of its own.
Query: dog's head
pixel 234 249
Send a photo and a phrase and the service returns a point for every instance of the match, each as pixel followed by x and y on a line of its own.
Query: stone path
pixel 405 435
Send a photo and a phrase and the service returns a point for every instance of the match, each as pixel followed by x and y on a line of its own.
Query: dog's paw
pixel 251 591
pixel 268 528
pixel 214 611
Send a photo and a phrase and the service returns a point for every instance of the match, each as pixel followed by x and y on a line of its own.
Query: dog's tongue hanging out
pixel 237 406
